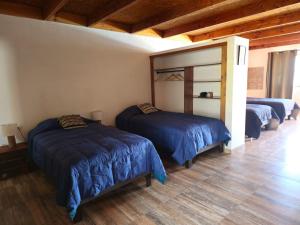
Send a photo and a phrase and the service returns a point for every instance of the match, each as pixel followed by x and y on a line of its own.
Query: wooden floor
pixel 256 184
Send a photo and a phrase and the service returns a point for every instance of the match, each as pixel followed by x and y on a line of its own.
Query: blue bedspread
pixel 283 107
pixel 256 117
pixel 84 162
pixel 182 135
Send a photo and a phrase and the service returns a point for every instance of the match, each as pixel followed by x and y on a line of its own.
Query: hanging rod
pixel 206 81
pixel 170 71
pixel 209 64
pixel 181 69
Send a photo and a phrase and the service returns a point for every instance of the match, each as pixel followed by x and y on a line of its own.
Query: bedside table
pixel 13 161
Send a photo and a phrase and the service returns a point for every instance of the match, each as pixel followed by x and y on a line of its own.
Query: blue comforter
pixel 256 117
pixel 283 107
pixel 182 135
pixel 84 162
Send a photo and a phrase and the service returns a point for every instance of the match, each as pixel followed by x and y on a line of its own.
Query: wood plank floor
pixel 256 184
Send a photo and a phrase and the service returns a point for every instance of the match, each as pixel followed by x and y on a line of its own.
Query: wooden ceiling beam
pixel 112 25
pixel 15 9
pixel 70 18
pixel 273 40
pixel 251 9
pixel 277 44
pixel 287 37
pixel 277 31
pixel 255 25
pixel 180 11
pixel 52 7
pixel 110 8
pixel 75 19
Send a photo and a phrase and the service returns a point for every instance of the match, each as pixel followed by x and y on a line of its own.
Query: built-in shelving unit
pixel 197 77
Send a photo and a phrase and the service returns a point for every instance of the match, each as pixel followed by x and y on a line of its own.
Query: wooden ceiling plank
pixel 70 18
pixel 119 26
pixel 112 26
pixel 277 39
pixel 15 9
pixel 110 8
pixel 52 7
pixel 277 31
pixel 268 22
pixel 231 15
pixel 176 13
pixel 270 45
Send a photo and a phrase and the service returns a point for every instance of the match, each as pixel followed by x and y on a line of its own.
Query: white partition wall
pixel 236 92
pixel 180 75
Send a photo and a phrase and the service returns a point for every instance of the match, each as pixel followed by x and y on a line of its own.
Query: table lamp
pixel 9 131
pixel 97 115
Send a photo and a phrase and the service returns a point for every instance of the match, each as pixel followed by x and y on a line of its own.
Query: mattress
pixel 181 135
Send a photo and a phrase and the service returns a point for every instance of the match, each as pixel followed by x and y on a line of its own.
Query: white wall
pixel 296 90
pixel 49 69
pixel 236 92
pixel 259 58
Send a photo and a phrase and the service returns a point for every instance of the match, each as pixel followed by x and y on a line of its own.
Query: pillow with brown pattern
pixel 147 108
pixel 71 122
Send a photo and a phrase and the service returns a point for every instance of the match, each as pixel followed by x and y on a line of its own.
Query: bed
pixel 258 116
pixel 283 107
pixel 85 163
pixel 183 136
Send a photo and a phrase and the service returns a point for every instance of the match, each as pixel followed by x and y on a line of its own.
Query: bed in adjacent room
pixel 283 107
pixel 87 162
pixel 183 136
pixel 258 116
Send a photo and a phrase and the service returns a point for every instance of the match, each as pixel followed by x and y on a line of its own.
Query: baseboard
pixel 227 151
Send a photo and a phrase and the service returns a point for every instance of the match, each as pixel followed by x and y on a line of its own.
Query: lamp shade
pixel 97 115
pixel 7 130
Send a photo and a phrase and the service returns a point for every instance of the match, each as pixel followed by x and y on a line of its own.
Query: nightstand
pixel 13 161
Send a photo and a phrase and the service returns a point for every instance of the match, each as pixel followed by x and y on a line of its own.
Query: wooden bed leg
pixel 78 216
pixel 221 148
pixel 148 180
pixel 188 164
pixel 295 113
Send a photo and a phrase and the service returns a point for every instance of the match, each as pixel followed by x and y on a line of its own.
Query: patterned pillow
pixel 71 121
pixel 147 108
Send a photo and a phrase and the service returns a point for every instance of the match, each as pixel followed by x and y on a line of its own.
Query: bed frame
pixel 188 164
pixel 107 192
pixel 78 216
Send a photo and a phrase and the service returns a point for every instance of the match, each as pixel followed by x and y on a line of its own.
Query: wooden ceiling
pixel 265 22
